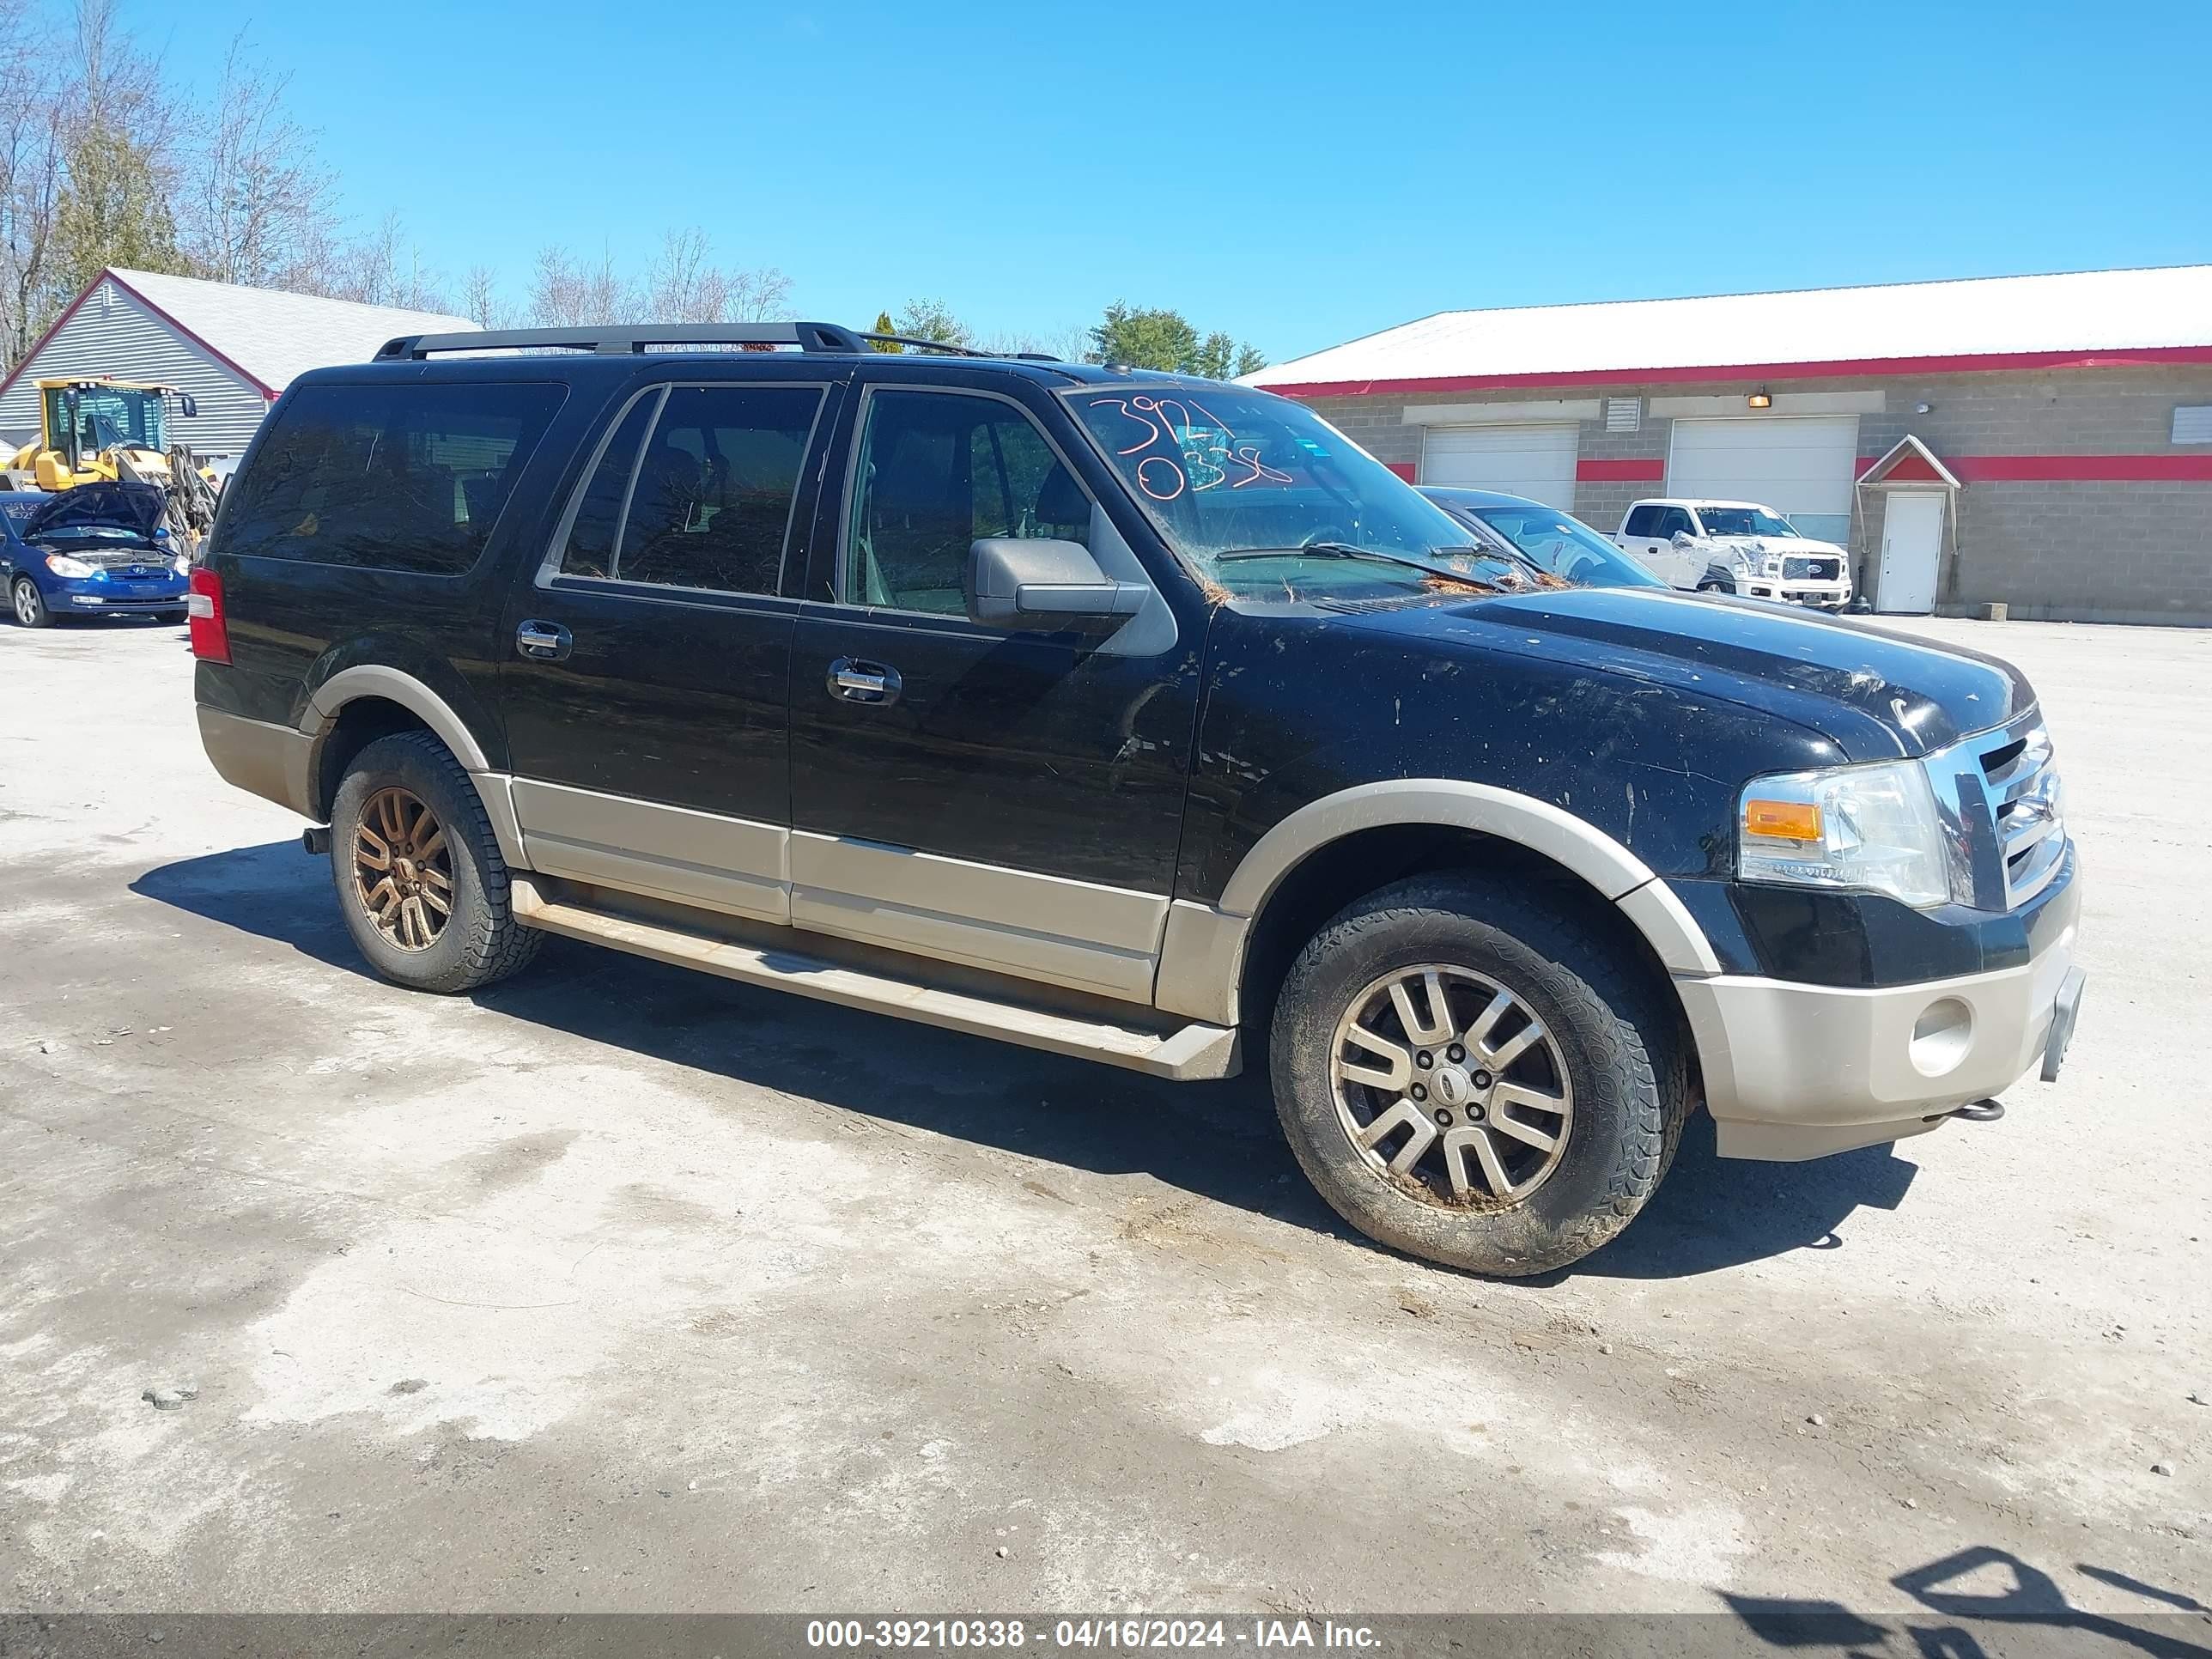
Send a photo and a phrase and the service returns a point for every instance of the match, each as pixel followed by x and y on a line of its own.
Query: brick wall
pixel 2063 550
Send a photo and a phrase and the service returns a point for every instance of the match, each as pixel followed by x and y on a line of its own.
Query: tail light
pixel 210 629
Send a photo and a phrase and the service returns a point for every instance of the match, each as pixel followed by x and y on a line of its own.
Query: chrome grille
pixel 2028 804
pixel 2003 814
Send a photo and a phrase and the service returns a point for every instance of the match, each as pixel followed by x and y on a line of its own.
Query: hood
pixel 1876 696
pixel 136 508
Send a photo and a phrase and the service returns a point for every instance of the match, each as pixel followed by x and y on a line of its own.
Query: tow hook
pixel 315 840
pixel 1974 1111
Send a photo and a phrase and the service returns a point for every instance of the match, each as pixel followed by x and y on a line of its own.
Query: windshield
pixel 1745 521
pixel 1223 470
pixel 1566 547
pixel 106 417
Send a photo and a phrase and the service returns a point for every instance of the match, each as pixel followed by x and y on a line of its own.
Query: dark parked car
pixel 1135 717
pixel 95 550
pixel 1557 543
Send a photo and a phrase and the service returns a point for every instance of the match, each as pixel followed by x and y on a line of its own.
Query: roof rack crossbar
pixel 625 339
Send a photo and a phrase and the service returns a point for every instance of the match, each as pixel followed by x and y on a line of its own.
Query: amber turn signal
pixel 1782 820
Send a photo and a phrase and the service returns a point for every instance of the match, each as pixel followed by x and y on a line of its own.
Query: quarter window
pixel 386 478
pixel 938 471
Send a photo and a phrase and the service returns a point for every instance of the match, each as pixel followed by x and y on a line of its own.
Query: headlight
pixel 1870 828
pixel 62 565
pixel 182 564
pixel 1773 566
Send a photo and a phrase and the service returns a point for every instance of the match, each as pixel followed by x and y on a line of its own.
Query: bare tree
pixel 31 174
pixel 385 268
pixel 1069 344
pixel 257 204
pixel 685 286
pixel 565 295
pixel 482 300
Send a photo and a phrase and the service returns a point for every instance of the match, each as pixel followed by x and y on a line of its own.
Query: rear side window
pixel 705 503
pixel 387 477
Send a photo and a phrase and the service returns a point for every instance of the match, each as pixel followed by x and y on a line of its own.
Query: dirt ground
pixel 619 1287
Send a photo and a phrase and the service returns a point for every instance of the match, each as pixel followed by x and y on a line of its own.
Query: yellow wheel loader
pixel 99 430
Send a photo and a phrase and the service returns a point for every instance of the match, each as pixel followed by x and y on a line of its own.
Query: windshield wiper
pixel 1346 550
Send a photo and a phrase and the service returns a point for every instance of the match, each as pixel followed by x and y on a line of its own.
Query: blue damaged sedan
pixel 96 550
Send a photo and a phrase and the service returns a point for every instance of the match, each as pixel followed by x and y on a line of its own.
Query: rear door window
pixel 386 478
pixel 696 489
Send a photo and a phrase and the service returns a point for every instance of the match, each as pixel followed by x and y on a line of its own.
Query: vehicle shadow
pixel 1713 1212
pixel 1993 1603
pixel 1218 1140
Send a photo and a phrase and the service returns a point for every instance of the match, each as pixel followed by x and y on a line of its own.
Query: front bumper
pixel 90 596
pixel 1830 596
pixel 1795 1071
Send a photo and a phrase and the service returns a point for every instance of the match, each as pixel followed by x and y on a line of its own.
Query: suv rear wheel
pixel 1470 1078
pixel 420 880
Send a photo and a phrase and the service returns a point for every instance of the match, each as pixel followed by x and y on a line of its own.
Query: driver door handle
pixel 543 642
pixel 872 684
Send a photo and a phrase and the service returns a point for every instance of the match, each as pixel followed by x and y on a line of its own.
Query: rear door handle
pixel 870 682
pixel 543 642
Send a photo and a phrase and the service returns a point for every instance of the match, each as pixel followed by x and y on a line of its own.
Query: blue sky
pixel 1296 174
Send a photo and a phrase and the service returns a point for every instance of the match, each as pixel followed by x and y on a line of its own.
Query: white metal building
pixel 233 349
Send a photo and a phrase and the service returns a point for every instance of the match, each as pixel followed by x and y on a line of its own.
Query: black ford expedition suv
pixel 1139 718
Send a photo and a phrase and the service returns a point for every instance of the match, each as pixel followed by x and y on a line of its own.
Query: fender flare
pixel 1203 955
pixel 396 685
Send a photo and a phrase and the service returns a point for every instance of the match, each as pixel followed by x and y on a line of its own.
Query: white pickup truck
pixel 1734 547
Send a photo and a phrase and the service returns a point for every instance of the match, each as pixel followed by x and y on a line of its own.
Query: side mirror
pixel 188 406
pixel 1015 582
pixel 1682 539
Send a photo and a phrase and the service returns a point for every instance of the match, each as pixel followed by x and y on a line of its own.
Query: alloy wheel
pixel 1448 1082
pixel 26 603
pixel 403 870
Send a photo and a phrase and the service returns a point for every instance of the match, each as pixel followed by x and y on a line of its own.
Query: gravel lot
pixel 619 1287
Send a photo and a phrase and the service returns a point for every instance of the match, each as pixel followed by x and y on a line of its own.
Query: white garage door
pixel 1803 468
pixel 1536 461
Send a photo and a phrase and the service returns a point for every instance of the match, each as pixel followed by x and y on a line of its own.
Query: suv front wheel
pixel 420 879
pixel 1474 1078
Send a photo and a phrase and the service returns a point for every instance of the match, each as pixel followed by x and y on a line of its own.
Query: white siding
pixel 112 333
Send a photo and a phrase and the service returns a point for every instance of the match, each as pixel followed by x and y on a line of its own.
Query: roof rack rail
pixel 920 344
pixel 626 338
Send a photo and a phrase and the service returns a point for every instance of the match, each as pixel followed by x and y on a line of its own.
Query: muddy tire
pixel 1472 1077
pixel 420 880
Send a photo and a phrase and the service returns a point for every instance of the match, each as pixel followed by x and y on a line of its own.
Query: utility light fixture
pixel 1758 399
